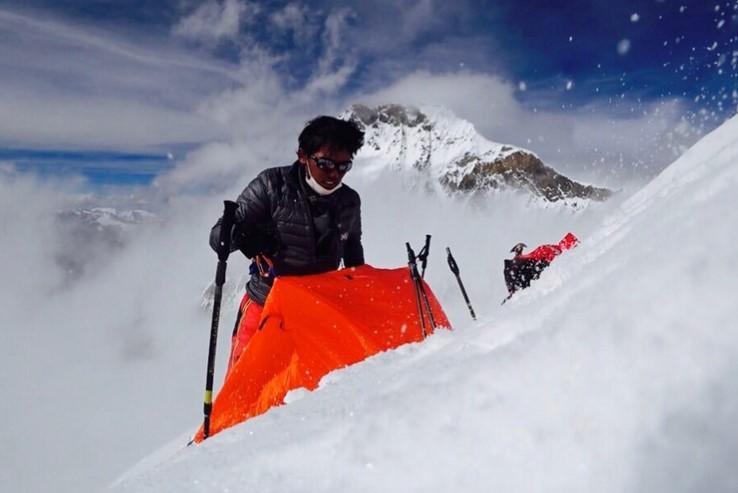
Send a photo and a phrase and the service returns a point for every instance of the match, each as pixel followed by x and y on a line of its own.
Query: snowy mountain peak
pixel 432 139
pixel 453 156
pixel 390 114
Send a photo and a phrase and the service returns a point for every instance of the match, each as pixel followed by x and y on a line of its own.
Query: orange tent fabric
pixel 312 325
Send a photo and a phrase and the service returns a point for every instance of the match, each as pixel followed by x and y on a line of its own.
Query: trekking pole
pixel 224 249
pixel 416 280
pixel 423 256
pixel 420 293
pixel 455 270
pixel 426 302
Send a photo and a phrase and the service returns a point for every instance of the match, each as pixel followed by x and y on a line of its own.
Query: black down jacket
pixel 280 199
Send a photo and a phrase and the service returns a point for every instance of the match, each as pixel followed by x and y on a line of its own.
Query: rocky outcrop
pixel 522 171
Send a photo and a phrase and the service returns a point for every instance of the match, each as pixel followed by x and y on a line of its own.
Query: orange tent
pixel 312 325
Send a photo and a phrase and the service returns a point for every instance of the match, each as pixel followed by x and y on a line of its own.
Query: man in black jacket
pixel 299 219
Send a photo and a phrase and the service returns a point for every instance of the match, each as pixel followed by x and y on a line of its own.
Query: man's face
pixel 326 177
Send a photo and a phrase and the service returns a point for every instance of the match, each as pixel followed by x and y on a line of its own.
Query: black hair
pixel 330 131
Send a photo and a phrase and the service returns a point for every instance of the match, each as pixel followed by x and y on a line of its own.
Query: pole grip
pixel 226 227
pixel 410 253
pixel 424 255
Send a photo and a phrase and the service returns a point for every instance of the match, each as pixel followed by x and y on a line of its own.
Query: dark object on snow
pixel 224 249
pixel 519 273
pixel 522 269
pixel 455 269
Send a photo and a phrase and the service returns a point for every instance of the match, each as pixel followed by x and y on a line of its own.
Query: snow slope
pixel 616 372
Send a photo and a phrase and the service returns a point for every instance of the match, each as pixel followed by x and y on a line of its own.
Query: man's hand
pixel 256 239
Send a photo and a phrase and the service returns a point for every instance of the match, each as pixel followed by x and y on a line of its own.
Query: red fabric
pixel 548 252
pixel 568 241
pixel 249 315
pixel 312 325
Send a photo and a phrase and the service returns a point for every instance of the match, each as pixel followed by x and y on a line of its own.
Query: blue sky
pixel 100 167
pixel 119 85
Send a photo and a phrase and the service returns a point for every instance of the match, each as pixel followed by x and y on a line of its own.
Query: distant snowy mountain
pixel 92 233
pixel 453 155
pixel 102 218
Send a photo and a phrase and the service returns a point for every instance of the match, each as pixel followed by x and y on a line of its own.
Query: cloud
pixel 75 355
pixel 26 206
pixel 216 20
pixel 152 93
pixel 296 19
pixel 68 86
pixel 337 61
pixel 593 141
pixel 388 28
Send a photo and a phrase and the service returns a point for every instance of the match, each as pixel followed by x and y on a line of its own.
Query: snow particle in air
pixel 623 46
pixel 522 86
pixel 634 17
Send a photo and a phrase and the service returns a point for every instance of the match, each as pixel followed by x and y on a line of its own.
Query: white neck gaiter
pixel 317 187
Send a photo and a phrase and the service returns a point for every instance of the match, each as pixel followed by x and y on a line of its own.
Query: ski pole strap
pixel 452 262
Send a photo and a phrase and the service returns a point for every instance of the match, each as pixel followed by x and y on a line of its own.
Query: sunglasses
pixel 328 164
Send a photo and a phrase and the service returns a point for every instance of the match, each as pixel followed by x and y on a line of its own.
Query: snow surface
pixel 615 372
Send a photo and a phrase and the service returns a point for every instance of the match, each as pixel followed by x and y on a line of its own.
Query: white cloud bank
pixel 591 141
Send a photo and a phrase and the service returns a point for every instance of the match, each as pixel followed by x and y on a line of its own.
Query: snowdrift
pixel 312 325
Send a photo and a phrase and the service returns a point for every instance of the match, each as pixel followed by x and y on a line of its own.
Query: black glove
pixel 256 239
